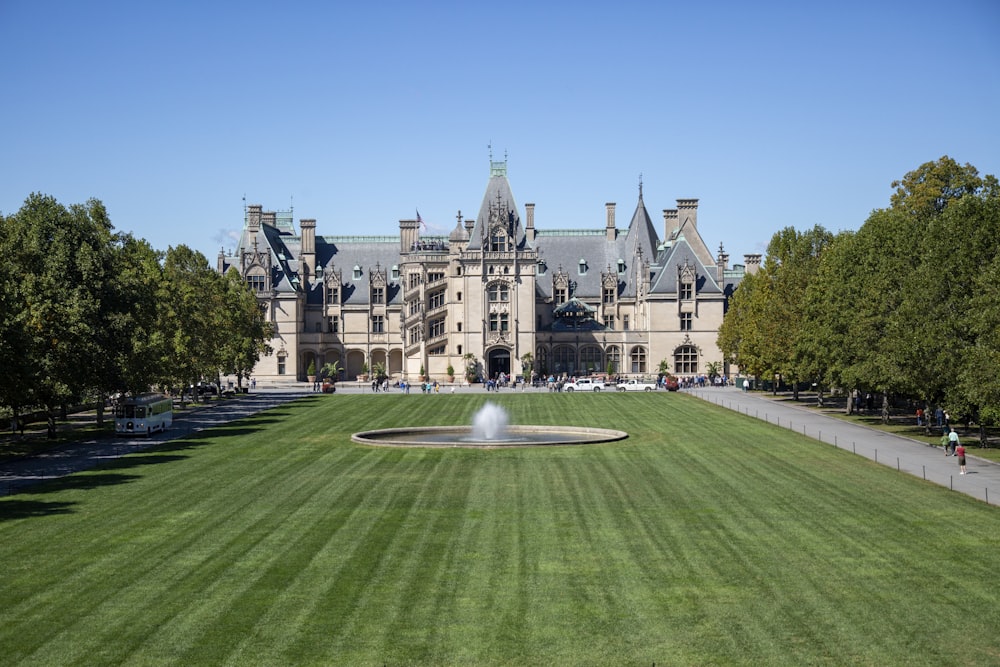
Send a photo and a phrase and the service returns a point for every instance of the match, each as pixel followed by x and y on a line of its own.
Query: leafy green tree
pixel 193 319
pixel 248 330
pixel 60 259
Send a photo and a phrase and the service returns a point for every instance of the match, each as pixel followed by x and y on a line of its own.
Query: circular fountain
pixel 489 429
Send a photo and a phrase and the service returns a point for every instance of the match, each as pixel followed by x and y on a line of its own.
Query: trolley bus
pixel 144 414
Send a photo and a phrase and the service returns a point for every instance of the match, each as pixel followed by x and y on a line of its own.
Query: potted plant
pixel 364 372
pixel 470 367
pixel 332 372
pixel 451 373
pixel 311 371
pixel 378 371
pixel 423 375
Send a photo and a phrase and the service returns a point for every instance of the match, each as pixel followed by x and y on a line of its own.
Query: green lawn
pixel 705 538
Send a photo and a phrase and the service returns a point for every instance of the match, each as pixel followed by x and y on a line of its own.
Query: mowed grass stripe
pixel 706 537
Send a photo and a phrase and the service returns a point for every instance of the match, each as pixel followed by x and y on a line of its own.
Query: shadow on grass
pixel 13 508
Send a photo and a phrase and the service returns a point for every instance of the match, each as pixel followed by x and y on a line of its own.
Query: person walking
pixel 960 453
pixel 944 443
pixel 953 440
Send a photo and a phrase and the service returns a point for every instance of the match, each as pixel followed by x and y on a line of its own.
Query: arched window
pixel 686 360
pixel 638 359
pixel 564 359
pixel 590 359
pixel 615 358
pixel 542 359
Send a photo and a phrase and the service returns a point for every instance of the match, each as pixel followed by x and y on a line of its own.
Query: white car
pixel 635 385
pixel 584 384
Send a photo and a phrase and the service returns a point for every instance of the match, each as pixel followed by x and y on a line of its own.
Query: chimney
pixel 253 218
pixel 408 233
pixel 529 226
pixel 722 263
pixel 669 223
pixel 307 255
pixel 752 263
pixel 688 209
pixel 269 218
pixel 610 229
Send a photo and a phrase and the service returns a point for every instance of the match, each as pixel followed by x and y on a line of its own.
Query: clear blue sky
pixel 773 114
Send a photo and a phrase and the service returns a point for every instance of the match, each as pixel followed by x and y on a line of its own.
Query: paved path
pixel 16 474
pixel 904 454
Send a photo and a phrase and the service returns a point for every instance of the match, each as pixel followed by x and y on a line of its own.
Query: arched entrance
pixel 498 361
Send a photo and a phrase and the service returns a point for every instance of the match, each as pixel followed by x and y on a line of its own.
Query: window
pixel 564 359
pixel 498 241
pixel 687 291
pixel 609 295
pixel 333 324
pixel 333 294
pixel 414 335
pixel 438 350
pixel 621 266
pixel 498 322
pixel 281 364
pixel 638 359
pixel 686 321
pixel 414 307
pixel 582 266
pixel 378 324
pixel 435 276
pixel 498 293
pixel 435 300
pixel 459 325
pixel 625 323
pixel 436 328
pixel 614 358
pixel 414 280
pixel 559 296
pixel 357 272
pixel 459 296
pixel 590 359
pixel 395 272
pixel 609 322
pixel 378 295
pixel 257 283
pixel 686 360
pixel 460 349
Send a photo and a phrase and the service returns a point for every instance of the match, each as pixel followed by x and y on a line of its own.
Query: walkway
pixel 903 454
pixel 16 474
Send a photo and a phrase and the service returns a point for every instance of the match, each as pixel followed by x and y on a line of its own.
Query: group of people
pixel 953 447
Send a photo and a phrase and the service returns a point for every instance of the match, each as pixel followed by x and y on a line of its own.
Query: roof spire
pixel 640 185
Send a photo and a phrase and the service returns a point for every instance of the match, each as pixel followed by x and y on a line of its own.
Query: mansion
pixel 496 295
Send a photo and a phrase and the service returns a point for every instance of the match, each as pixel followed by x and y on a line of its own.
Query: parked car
pixel 636 385
pixel 584 384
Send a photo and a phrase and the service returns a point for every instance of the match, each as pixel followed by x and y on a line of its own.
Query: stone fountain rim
pixel 602 435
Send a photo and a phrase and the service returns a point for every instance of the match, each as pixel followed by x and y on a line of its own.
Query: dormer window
pixel 378 295
pixel 582 266
pixel 621 265
pixel 498 240
pixel 395 272
pixel 357 272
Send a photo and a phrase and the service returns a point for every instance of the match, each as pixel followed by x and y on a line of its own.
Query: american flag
pixel 421 221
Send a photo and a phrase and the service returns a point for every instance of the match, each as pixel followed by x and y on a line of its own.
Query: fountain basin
pixel 462 436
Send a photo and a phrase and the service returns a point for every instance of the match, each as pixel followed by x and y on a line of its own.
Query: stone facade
pixel 491 292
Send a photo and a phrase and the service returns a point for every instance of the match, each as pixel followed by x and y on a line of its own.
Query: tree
pixel 248 331
pixel 192 319
pixel 332 370
pixel 60 259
